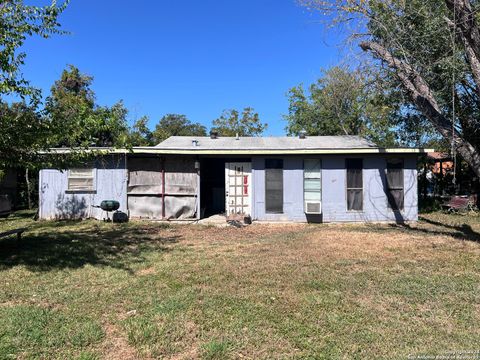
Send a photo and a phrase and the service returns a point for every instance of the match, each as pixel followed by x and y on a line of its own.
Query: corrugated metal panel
pixel 145 206
pixel 145 187
pixel 145 175
pixel 180 176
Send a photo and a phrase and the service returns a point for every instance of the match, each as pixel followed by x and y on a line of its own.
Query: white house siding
pixel 56 202
pixel 375 204
pixel 111 178
pixel 334 206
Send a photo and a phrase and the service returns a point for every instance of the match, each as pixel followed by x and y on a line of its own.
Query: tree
pixel 17 22
pixel 140 134
pixel 22 130
pixel 22 127
pixel 231 124
pixel 431 49
pixel 342 102
pixel 177 125
pixel 77 121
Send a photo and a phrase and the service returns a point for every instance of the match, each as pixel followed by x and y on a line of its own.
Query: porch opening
pixel 212 187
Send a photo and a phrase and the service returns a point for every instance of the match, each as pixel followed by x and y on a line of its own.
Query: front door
pixel 237 188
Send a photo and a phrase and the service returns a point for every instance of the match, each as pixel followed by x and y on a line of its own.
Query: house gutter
pixel 182 151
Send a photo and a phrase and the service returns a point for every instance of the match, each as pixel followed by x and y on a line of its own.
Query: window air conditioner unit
pixel 313 207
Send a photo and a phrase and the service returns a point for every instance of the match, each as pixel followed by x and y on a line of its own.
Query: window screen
pixel 395 190
pixel 80 179
pixel 274 186
pixel 354 184
pixel 312 180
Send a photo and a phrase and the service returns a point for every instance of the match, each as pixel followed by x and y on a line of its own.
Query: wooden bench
pixel 460 203
pixel 17 232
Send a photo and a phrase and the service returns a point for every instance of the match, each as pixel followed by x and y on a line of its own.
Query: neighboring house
pixel 315 178
pixel 441 163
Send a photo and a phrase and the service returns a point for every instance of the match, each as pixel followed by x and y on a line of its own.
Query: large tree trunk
pixel 423 98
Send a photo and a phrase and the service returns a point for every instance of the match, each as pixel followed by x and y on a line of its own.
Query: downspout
pixel 163 187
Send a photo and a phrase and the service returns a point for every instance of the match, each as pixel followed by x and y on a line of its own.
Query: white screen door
pixel 237 188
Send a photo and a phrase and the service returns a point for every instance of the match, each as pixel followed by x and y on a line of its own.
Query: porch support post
pixel 163 187
pixel 198 190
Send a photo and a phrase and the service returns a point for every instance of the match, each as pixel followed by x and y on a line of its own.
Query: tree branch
pixel 471 54
pixel 465 23
pixel 425 101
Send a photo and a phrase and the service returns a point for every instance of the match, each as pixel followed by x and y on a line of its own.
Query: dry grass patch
pixel 149 290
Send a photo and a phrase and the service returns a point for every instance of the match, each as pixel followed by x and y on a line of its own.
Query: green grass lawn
pixel 91 290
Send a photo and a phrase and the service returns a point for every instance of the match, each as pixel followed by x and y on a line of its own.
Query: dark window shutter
pixel 395 185
pixel 274 186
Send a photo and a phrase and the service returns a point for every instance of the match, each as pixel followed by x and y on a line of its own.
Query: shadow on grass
pixel 427 227
pixel 462 232
pixel 49 250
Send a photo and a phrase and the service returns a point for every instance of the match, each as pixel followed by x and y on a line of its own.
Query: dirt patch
pixel 115 346
pixel 145 272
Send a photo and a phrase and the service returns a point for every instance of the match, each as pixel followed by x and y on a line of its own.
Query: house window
pixel 354 184
pixel 312 184
pixel 274 186
pixel 395 188
pixel 81 179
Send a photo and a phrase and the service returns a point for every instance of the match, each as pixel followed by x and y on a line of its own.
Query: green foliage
pixel 416 31
pixel 140 134
pixel 75 119
pixel 342 102
pixel 40 331
pixel 230 123
pixel 215 350
pixel 177 125
pixel 17 22
pixel 22 130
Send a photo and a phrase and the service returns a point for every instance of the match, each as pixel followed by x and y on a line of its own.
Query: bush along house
pixel 301 179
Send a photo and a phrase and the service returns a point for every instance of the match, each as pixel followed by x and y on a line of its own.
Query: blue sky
pixel 189 57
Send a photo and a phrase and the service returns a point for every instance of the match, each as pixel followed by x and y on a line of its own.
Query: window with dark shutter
pixel 274 186
pixel 354 184
pixel 395 189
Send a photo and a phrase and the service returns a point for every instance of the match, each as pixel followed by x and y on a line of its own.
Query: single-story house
pixel 302 179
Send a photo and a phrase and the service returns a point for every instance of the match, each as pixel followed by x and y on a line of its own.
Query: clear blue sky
pixel 189 57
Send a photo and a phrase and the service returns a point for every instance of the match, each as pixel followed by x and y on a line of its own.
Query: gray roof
pixel 266 143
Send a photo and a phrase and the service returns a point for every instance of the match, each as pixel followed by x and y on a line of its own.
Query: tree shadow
pixel 461 232
pixel 424 226
pixel 70 207
pixel 119 248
